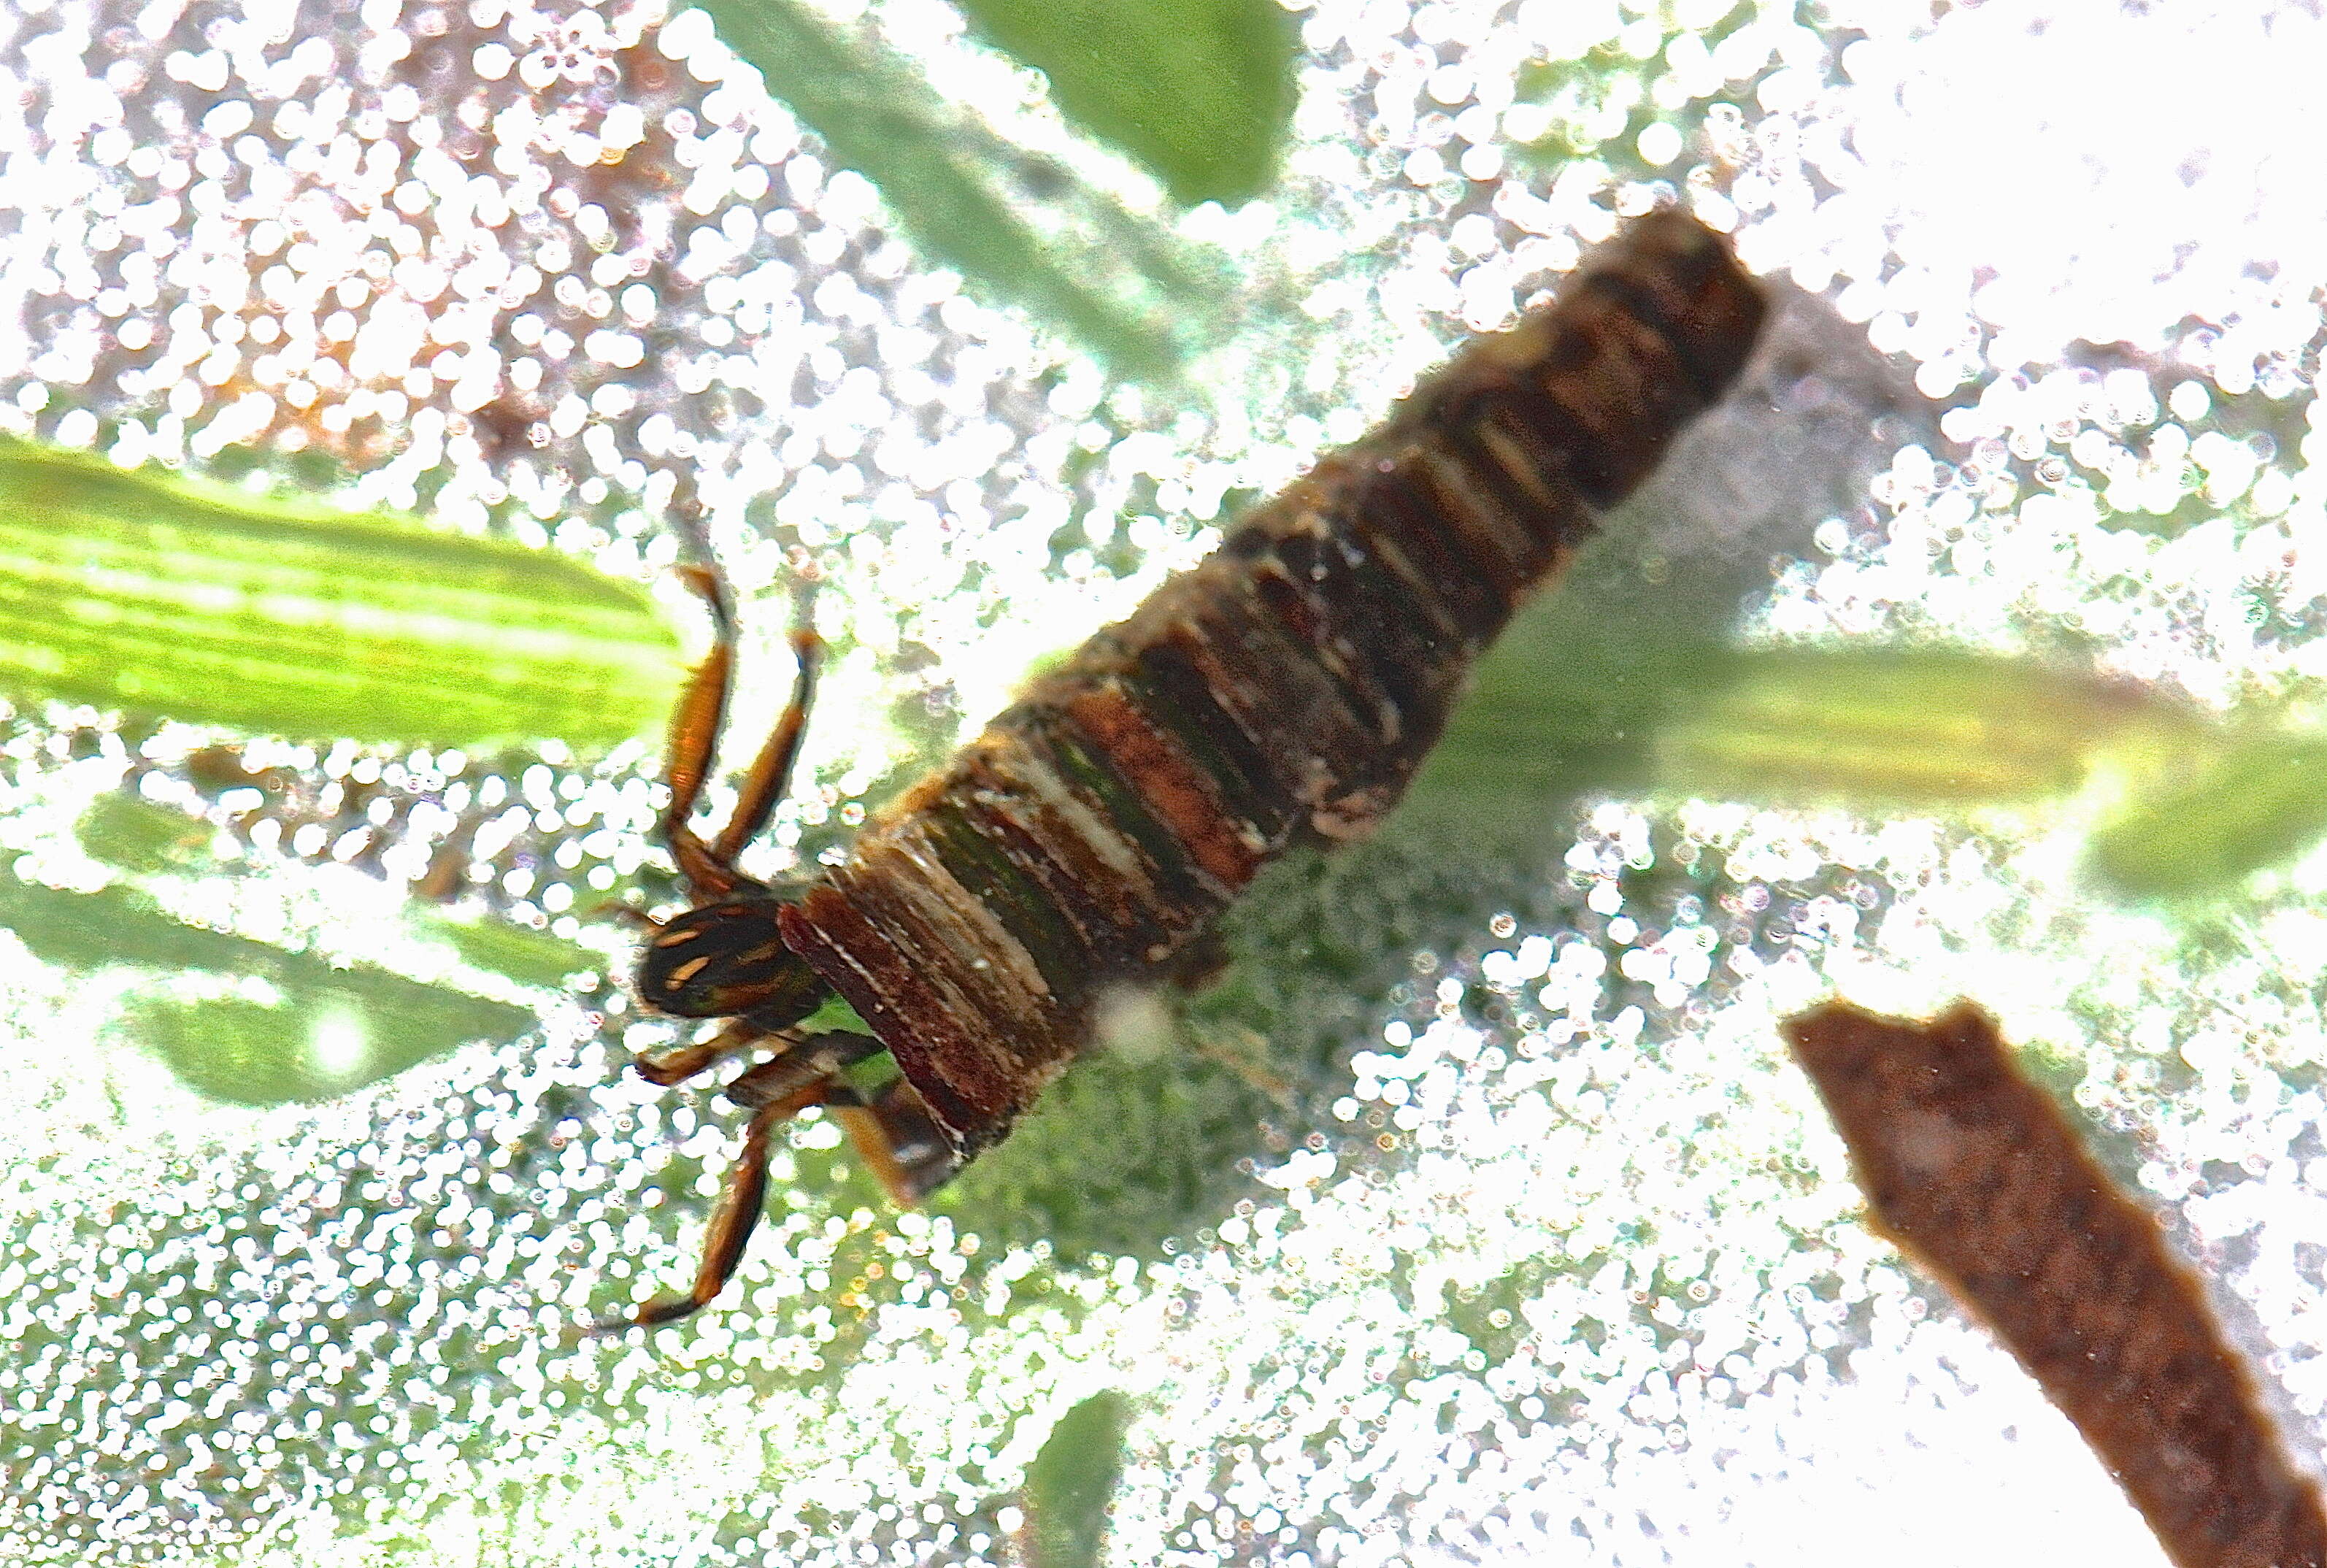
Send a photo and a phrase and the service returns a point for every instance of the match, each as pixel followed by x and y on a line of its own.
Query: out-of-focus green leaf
pixel 159 594
pixel 1551 716
pixel 941 174
pixel 1922 728
pixel 1200 91
pixel 1569 697
pixel 1558 713
pixel 2250 801
pixel 140 836
pixel 1072 1483
pixel 319 1041
pixel 323 1031
pixel 527 957
pixel 77 931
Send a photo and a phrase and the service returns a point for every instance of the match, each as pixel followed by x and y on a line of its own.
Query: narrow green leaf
pixel 77 931
pixel 946 179
pixel 1556 711
pixel 527 957
pixel 1620 680
pixel 1072 1483
pixel 1922 728
pixel 1603 685
pixel 160 594
pixel 327 1031
pixel 316 1042
pixel 1200 91
pixel 147 839
pixel 2239 805
pixel 1570 695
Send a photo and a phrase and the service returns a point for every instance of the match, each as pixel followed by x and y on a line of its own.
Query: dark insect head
pixel 726 959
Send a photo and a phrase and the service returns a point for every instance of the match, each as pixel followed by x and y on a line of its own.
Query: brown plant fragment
pixel 1973 1171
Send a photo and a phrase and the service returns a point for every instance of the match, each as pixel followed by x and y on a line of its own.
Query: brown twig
pixel 1972 1169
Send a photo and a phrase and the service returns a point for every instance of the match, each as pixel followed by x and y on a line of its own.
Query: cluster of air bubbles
pixel 536 845
pixel 1572 1254
pixel 2129 336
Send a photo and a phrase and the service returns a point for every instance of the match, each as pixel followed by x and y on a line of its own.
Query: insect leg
pixel 898 1140
pixel 695 740
pixel 807 1074
pixel 675 1064
pixel 773 768
pixel 891 1128
pixel 819 1057
pixel 737 1217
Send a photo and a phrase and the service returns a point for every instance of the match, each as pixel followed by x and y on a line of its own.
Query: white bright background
pixel 249 1350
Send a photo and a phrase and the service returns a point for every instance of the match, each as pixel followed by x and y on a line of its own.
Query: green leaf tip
pixel 1072 1483
pixel 155 594
pixel 1199 92
pixel 529 957
pixel 2216 813
pixel 1918 728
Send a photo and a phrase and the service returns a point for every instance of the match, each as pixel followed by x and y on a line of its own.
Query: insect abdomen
pixel 1284 690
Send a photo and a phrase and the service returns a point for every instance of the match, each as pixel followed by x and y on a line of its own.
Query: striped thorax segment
pixel 1284 691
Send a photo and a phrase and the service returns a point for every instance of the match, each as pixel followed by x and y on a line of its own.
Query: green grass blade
pixel 1611 683
pixel 319 1040
pixel 1911 728
pixel 1200 91
pixel 76 930
pixel 325 1030
pixel 529 957
pixel 145 840
pixel 159 594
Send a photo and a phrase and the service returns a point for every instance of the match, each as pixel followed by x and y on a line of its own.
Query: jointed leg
pixel 819 1057
pixel 731 1224
pixel 892 1130
pixel 807 1073
pixel 772 770
pixel 675 1064
pixel 695 727
pixel 894 1135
